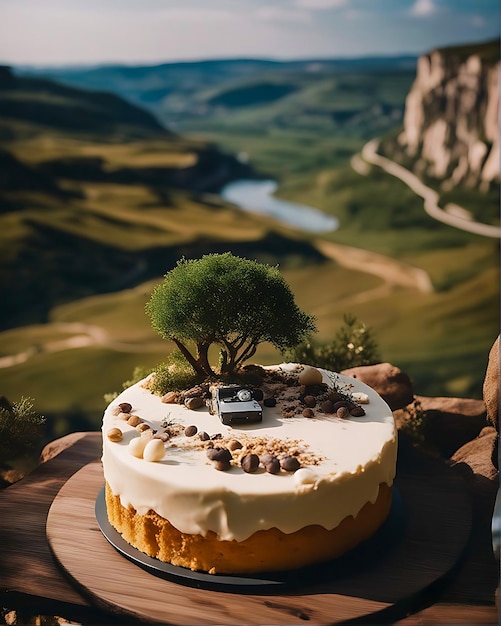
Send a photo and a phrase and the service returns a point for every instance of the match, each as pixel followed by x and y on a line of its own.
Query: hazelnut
pixel 308 412
pixel 123 416
pixel 190 431
pixel 234 445
pixel 342 412
pixel 142 427
pixel 171 397
pixel 203 435
pixel 134 420
pixel 125 407
pixel 114 434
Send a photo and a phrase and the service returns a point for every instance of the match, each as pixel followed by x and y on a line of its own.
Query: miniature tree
pixel 229 301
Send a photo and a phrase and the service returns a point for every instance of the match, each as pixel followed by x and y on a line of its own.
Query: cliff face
pixel 451 116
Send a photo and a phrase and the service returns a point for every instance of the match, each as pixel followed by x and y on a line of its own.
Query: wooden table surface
pixel 30 579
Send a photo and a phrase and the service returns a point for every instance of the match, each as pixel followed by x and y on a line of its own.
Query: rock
pixel 491 386
pixel 477 454
pixel 393 385
pixel 447 423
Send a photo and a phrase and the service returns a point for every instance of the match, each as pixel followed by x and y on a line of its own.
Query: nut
pixel 310 376
pixel 171 397
pixel 310 401
pixel 357 411
pixel 142 427
pixel 222 466
pixel 154 451
pixel 137 446
pixel 250 463
pixel 219 454
pixel 203 435
pixel 115 434
pixel 327 407
pixel 134 420
pixel 343 412
pixel 123 416
pixel 272 466
pixel 194 403
pixel 190 431
pixel 289 463
pixel 125 407
pixel 308 413
pixel 233 444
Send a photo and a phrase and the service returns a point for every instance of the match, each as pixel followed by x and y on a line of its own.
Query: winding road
pixel 456 216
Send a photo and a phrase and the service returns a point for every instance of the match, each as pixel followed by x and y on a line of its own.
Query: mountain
pixel 78 171
pixel 326 92
pixel 450 127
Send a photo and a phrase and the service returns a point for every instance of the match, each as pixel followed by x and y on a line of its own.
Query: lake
pixel 256 196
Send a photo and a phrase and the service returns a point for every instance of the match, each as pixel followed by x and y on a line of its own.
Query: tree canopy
pixel 230 301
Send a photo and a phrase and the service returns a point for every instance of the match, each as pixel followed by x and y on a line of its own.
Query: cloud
pixel 321 4
pixel 277 14
pixel 423 8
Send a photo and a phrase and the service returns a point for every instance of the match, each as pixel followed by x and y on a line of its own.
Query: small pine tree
pixel 229 301
pixel 352 346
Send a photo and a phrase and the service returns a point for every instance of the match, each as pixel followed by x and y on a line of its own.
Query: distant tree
pixel 226 300
pixel 21 428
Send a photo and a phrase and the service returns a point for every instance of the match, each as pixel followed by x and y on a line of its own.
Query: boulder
pixel 491 386
pixel 447 423
pixel 478 453
pixel 393 385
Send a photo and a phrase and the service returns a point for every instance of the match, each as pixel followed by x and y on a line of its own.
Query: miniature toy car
pixel 235 405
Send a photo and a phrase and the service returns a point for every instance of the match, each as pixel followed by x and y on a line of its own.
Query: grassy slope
pixel 440 339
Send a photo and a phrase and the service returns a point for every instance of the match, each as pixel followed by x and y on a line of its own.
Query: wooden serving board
pixel 436 527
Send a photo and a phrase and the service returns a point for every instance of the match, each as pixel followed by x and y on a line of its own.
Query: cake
pixel 302 481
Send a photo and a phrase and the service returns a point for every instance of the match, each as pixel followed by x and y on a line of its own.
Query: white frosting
pixel 357 454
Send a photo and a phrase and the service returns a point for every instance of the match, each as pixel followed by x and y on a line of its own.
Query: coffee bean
pixel 190 431
pixel 250 463
pixel 219 454
pixel 273 466
pixel 327 406
pixel 222 466
pixel 289 463
pixel 340 403
pixel 357 411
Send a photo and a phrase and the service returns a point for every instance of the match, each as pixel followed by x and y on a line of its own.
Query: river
pixel 256 196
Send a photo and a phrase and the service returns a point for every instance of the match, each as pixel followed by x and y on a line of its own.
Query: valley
pixel 98 217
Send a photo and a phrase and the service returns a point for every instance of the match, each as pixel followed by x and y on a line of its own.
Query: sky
pixel 89 32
